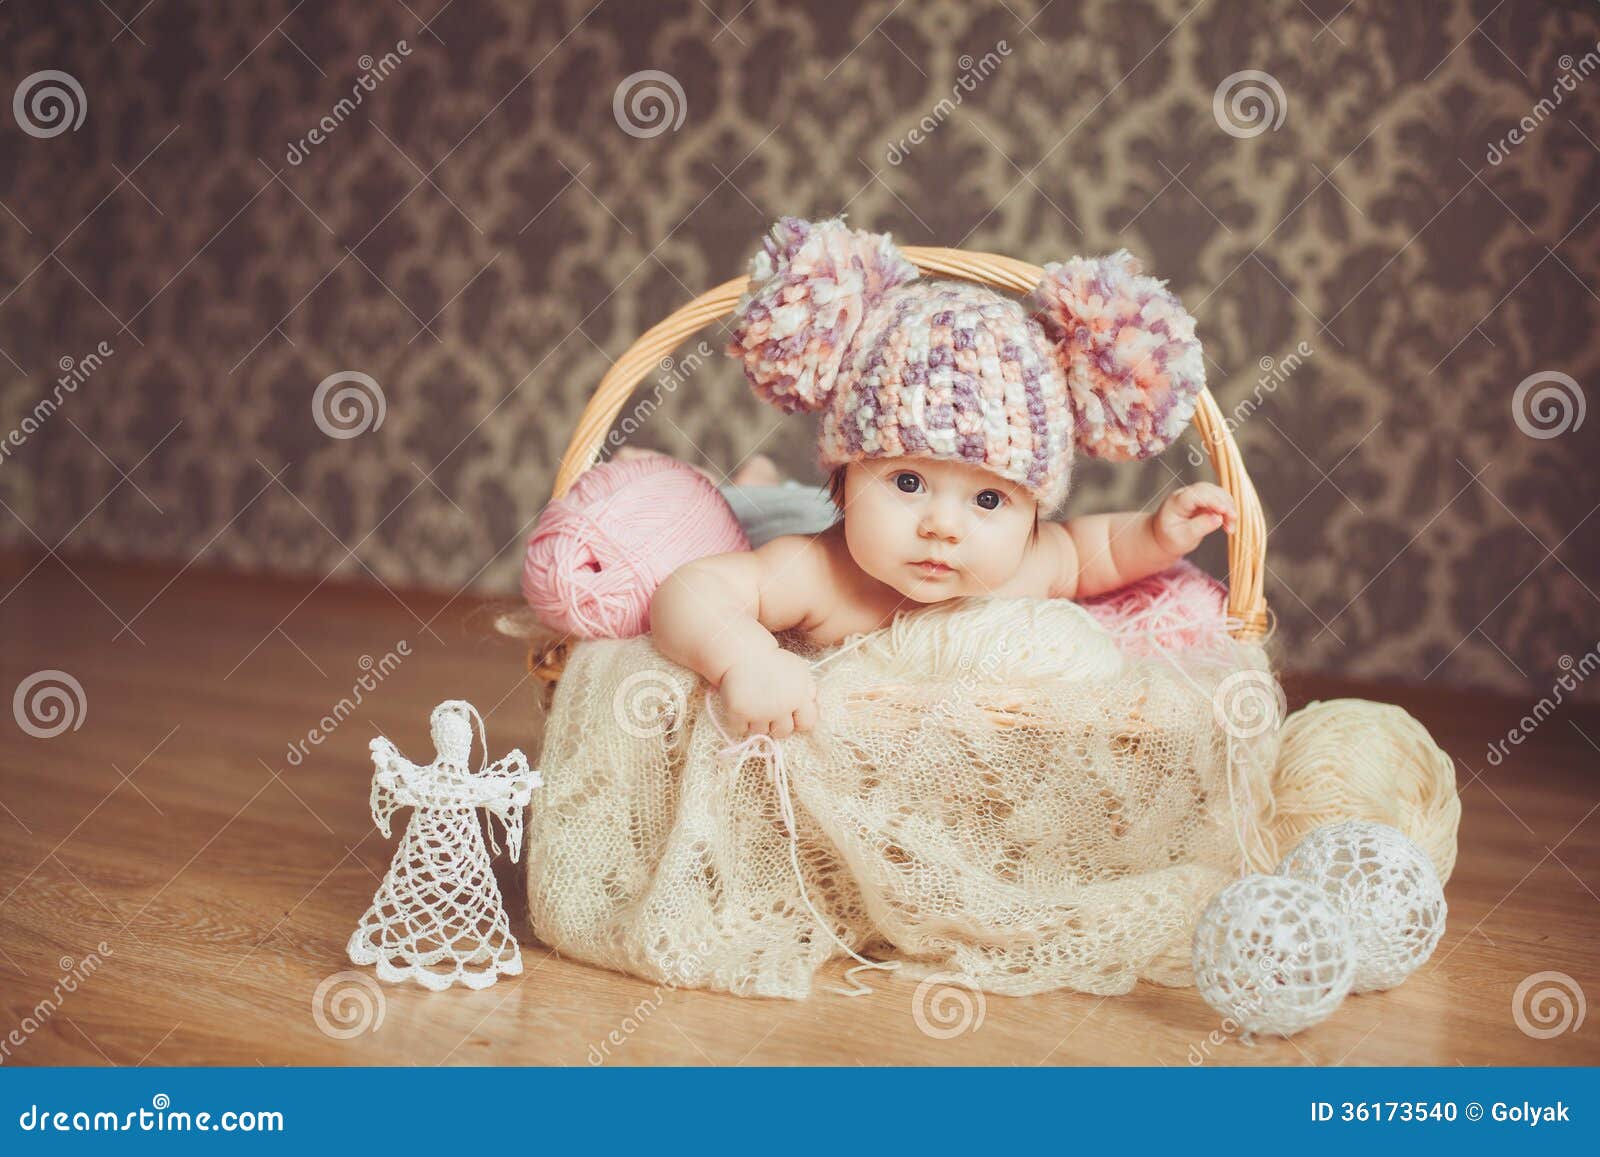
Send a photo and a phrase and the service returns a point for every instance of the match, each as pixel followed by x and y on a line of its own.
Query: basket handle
pixel 1247 545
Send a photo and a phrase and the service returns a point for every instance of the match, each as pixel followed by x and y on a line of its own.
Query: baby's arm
pixel 717 616
pixel 1102 552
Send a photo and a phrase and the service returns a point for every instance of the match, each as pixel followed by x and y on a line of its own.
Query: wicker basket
pixel 1247 545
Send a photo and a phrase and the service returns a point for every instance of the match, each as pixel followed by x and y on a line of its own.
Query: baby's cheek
pixel 999 554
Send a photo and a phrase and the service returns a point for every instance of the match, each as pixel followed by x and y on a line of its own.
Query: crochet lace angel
pixel 438 916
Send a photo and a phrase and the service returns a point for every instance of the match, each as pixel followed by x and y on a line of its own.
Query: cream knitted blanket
pixel 996 790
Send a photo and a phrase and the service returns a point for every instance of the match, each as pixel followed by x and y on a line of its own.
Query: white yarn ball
pixel 1272 954
pixel 1386 886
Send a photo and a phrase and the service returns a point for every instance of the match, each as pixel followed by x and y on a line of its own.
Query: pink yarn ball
pixel 1172 609
pixel 596 556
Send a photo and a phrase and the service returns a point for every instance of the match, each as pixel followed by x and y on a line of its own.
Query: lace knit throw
pixel 437 917
pixel 994 790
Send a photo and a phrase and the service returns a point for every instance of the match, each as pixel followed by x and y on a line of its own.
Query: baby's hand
pixel 1186 516
pixel 772 693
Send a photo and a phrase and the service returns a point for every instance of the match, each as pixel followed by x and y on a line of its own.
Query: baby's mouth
pixel 932 568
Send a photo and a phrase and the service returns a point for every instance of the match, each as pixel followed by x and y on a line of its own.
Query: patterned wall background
pixel 1377 261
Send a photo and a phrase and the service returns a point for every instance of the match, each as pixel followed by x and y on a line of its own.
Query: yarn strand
pixel 765 746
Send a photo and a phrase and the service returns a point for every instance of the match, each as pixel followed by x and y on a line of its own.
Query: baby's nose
pixel 939 521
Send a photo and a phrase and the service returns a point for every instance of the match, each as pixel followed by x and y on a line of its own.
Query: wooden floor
pixel 223 881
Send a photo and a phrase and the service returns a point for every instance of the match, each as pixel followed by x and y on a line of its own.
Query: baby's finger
pixel 806 717
pixel 782 727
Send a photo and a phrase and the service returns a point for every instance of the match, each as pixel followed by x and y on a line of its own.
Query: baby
pixel 949 418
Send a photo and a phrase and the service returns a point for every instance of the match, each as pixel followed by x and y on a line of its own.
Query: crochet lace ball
pixel 1272 954
pixel 1386 887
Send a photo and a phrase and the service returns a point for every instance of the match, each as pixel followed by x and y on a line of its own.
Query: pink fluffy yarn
pixel 596 556
pixel 1173 609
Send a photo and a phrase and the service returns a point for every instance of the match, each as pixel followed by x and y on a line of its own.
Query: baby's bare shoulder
pixel 792 556
pixel 1050 567
pixel 797 574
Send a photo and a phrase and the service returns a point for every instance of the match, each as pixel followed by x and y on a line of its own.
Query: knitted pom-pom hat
pixel 1099 356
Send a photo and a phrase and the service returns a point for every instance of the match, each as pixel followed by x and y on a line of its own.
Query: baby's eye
pixel 990 499
pixel 908 482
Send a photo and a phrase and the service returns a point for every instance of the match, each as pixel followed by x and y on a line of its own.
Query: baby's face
pixel 905 516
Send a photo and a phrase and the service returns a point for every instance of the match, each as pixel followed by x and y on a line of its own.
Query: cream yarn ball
pixel 1343 759
pixel 1272 954
pixel 1387 888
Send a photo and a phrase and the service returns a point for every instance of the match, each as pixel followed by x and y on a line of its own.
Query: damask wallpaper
pixel 322 287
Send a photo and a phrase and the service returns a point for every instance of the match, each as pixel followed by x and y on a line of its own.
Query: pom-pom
pixel 1133 366
pixel 596 556
pixel 1386 887
pixel 810 286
